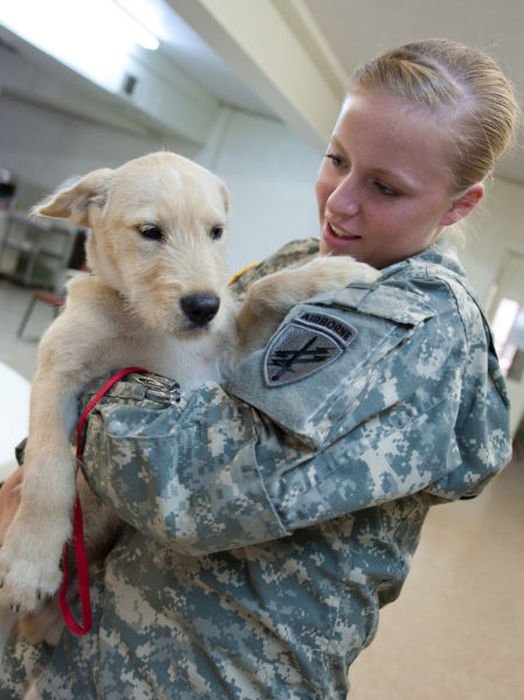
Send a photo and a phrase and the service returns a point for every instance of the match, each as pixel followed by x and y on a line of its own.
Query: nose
pixel 200 308
pixel 344 198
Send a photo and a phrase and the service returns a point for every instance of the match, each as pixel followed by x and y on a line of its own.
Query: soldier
pixel 268 519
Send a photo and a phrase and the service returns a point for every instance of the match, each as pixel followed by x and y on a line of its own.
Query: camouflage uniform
pixel 270 518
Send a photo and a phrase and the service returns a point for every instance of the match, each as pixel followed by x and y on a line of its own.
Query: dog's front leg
pixel 33 545
pixel 270 298
pixel 101 530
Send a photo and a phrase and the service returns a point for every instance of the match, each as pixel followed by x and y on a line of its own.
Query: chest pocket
pixel 318 406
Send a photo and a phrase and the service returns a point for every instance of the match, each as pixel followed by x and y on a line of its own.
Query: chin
pixel 324 249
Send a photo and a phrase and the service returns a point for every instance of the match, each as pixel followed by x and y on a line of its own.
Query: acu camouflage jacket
pixel 270 518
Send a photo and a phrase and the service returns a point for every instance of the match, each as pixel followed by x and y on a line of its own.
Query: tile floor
pixel 457 631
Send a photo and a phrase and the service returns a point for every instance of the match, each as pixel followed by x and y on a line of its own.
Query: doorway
pixel 506 313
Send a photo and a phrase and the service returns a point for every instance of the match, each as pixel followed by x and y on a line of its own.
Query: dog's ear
pixel 72 200
pixel 225 195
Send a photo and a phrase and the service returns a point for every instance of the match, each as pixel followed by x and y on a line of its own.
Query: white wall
pixel 270 173
pixel 494 235
pixel 42 148
pixel 494 229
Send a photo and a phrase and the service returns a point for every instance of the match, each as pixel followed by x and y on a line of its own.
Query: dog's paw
pixel 27 578
pixel 327 273
pixel 278 292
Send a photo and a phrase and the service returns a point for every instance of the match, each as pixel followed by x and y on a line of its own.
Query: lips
pixel 339 233
pixel 337 239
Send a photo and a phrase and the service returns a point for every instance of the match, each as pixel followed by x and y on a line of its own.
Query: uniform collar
pixel 441 253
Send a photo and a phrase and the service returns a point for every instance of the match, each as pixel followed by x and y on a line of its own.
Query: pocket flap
pixel 386 301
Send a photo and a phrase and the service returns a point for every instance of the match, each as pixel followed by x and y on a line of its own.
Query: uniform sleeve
pixel 301 435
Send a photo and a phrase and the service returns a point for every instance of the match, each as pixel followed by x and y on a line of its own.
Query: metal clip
pixel 160 389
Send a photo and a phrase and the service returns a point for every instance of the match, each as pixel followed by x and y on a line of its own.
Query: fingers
pixel 9 501
pixel 14 481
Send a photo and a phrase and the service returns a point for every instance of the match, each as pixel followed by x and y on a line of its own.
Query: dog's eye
pixel 216 233
pixel 151 232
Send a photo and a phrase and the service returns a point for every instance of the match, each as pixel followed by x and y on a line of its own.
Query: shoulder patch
pixel 307 343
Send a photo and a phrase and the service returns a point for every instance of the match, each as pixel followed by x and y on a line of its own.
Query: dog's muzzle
pixel 200 309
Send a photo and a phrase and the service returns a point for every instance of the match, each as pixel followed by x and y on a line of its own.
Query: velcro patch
pixel 309 342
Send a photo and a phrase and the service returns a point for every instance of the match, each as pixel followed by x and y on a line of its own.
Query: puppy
pixel 156 297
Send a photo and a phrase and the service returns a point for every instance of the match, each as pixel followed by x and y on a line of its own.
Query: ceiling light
pixel 94 38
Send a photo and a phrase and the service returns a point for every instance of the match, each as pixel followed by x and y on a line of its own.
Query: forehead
pixel 166 186
pixel 385 132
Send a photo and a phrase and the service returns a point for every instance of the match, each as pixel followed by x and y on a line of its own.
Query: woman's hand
pixel 9 501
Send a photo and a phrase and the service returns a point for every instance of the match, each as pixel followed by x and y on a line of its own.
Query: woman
pixel 270 519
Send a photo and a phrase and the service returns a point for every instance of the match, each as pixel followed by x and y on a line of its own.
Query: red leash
pixel 79 549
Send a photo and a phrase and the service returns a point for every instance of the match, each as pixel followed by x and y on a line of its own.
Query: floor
pixel 20 354
pixel 457 631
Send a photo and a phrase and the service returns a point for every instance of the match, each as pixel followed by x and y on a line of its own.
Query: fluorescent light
pixel 144 20
pixel 111 19
pixel 95 38
pixel 137 26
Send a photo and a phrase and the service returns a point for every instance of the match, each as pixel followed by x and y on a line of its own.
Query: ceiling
pixel 286 59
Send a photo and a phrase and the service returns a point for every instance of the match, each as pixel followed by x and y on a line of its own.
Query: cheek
pixel 323 189
pixel 405 229
pixel 404 216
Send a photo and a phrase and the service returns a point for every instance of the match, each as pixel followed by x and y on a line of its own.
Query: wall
pixel 44 147
pixel 270 174
pixel 495 229
pixel 494 236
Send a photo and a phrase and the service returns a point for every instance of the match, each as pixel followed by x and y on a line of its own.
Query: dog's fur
pixel 156 297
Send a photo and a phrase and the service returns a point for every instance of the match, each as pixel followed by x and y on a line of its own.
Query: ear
pixel 73 201
pixel 464 204
pixel 225 195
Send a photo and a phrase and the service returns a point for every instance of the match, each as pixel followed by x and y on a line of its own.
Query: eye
pixel 337 161
pixel 216 233
pixel 386 191
pixel 151 232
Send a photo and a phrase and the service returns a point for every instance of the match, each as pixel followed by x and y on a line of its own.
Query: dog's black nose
pixel 200 308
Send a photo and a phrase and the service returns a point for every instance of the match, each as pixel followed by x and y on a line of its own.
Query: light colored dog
pixel 156 297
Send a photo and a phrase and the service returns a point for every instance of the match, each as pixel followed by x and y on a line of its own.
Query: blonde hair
pixel 442 74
